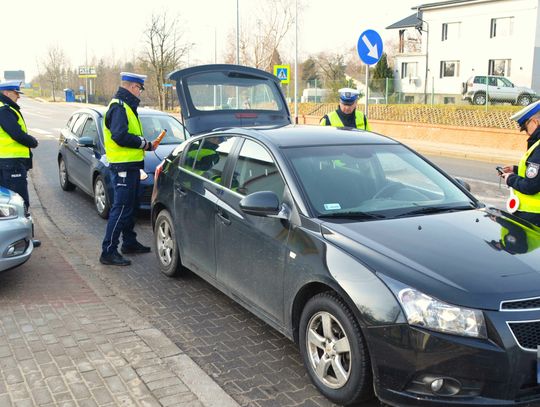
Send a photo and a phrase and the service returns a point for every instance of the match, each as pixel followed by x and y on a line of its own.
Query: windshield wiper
pixel 352 215
pixel 436 209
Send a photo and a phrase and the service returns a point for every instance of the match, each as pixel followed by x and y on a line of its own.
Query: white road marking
pixel 39 131
pixel 35 114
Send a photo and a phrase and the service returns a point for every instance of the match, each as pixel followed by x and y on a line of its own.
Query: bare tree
pixel 56 68
pixel 332 67
pixel 263 34
pixel 164 50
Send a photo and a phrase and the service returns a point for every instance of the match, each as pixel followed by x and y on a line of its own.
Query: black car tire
pixel 524 100
pixel 166 246
pixel 101 198
pixel 358 385
pixel 479 99
pixel 65 184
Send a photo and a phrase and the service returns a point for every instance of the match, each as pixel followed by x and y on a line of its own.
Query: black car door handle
pixel 181 191
pixel 224 218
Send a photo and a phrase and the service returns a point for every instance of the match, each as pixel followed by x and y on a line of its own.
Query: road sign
pixel 283 73
pixel 370 47
pixel 87 72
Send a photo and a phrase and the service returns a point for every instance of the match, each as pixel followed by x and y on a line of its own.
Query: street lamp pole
pixel 420 28
pixel 237 32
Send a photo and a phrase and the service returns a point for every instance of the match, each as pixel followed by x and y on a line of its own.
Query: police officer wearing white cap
pixel 15 142
pixel 125 147
pixel 346 114
pixel 524 179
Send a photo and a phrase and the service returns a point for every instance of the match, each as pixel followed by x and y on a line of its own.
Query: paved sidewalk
pixel 67 340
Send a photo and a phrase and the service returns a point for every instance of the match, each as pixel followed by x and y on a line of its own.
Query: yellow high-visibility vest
pixel 335 121
pixel 527 203
pixel 10 148
pixel 116 153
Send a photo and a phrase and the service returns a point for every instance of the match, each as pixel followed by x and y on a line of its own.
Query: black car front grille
pixel 527 334
pixel 529 303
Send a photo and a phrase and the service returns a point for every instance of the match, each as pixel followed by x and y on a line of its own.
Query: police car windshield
pixel 384 180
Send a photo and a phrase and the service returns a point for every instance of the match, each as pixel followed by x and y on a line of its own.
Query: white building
pixel 457 39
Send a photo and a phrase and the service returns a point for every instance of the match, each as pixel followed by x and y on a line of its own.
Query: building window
pixel 409 70
pixel 450 31
pixel 449 69
pixel 502 27
pixel 499 67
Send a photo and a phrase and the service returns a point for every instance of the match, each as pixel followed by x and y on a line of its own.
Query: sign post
pixel 87 72
pixel 369 48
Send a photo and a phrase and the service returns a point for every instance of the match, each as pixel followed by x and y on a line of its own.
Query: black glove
pixel 148 146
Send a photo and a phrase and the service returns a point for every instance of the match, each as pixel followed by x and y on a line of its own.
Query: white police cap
pixel 525 114
pixel 348 95
pixel 11 85
pixel 133 77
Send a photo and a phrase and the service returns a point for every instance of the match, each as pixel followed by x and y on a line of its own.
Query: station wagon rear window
pixel 212 91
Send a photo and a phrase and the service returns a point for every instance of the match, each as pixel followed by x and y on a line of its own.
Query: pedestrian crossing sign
pixel 283 73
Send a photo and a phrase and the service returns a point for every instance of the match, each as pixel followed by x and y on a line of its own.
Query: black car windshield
pixel 153 124
pixel 383 181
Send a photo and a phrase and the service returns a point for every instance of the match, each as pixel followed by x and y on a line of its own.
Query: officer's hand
pixel 148 146
pixel 508 169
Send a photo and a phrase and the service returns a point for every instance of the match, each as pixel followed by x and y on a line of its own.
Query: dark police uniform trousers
pixel 15 179
pixel 122 215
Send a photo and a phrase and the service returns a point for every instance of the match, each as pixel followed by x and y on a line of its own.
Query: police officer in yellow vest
pixel 346 114
pixel 524 178
pixel 15 142
pixel 516 238
pixel 124 147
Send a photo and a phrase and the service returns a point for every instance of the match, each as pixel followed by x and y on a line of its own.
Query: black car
pixel 82 161
pixel 391 277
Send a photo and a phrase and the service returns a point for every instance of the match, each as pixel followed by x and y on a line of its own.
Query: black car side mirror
pixel 263 203
pixel 86 142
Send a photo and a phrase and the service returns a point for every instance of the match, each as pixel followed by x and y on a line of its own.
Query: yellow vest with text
pixel 527 203
pixel 116 153
pixel 10 148
pixel 335 121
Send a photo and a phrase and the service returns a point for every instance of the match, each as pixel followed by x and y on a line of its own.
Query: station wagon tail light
pixel 427 312
pixel 158 170
pixel 7 211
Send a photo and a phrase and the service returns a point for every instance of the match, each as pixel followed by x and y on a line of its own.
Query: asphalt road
pixel 252 362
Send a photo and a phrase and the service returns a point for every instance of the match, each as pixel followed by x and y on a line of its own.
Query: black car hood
pixel 472 258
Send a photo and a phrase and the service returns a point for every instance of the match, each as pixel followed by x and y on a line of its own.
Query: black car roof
pixel 298 136
pixel 100 110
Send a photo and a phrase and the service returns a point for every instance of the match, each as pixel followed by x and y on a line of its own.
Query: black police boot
pixel 36 242
pixel 114 259
pixel 135 249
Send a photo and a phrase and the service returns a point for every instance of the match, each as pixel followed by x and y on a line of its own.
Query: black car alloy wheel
pixel 334 350
pixel 166 246
pixel 65 184
pixel 101 200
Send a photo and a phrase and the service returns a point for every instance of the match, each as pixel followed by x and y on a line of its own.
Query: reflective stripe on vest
pixel 335 121
pixel 527 203
pixel 116 153
pixel 10 148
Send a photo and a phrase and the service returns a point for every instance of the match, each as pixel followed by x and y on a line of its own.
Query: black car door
pixel 72 156
pixel 197 189
pixel 86 154
pixel 250 249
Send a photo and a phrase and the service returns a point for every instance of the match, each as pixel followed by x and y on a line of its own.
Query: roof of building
pixel 446 3
pixel 412 21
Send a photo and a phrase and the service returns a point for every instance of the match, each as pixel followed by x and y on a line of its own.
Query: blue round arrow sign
pixel 370 47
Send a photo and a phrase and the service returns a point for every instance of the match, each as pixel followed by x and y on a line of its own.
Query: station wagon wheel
pixel 334 350
pixel 65 184
pixel 524 100
pixel 101 200
pixel 166 246
pixel 479 99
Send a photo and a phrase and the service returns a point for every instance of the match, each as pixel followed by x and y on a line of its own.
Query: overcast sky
pixel 112 29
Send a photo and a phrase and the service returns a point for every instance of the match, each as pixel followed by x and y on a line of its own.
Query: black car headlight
pixel 424 311
pixel 7 211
